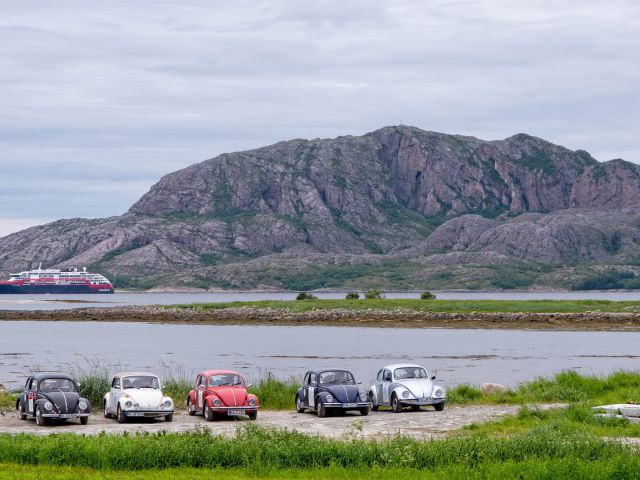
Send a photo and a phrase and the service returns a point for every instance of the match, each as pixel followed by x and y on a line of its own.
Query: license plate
pixel 66 415
pixel 135 414
pixel 349 405
pixel 235 412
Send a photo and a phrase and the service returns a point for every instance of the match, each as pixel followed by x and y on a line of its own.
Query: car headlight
pixel 48 406
pixel 128 404
pixel 363 397
pixel 438 393
pixel 252 402
pixel 83 405
pixel 216 402
pixel 329 398
pixel 405 394
pixel 167 403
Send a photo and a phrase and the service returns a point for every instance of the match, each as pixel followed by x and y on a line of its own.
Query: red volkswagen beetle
pixel 221 392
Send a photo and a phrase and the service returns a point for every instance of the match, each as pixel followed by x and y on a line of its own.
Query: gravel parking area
pixel 424 424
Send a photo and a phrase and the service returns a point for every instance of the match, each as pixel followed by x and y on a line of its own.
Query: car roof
pixel 393 366
pixel 42 376
pixel 135 374
pixel 208 373
pixel 322 370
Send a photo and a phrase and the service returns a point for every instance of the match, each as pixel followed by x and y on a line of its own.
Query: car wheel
pixel 253 415
pixel 190 408
pixel 208 413
pixel 40 420
pixel 121 416
pixel 106 411
pixel 364 411
pixel 21 414
pixel 396 406
pixel 374 407
pixel 299 404
pixel 84 420
pixel 321 409
pixel 439 406
pixel 169 418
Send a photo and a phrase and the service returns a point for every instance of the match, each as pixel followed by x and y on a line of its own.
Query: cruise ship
pixel 68 280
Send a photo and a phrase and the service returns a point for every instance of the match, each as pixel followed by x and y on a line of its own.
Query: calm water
pixel 455 356
pixel 54 302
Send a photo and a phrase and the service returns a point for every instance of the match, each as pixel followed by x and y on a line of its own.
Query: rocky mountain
pixel 397 207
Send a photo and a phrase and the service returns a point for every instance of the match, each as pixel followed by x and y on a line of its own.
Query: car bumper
pixel 421 401
pixel 346 406
pixel 65 415
pixel 147 413
pixel 234 410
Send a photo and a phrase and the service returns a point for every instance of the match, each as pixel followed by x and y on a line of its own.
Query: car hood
pixel 343 393
pixel 420 387
pixel 65 402
pixel 231 396
pixel 145 397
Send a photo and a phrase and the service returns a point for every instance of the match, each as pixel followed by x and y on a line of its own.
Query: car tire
pixel 84 420
pixel 253 415
pixel 396 406
pixel 190 408
pixel 169 418
pixel 40 420
pixel 208 413
pixel 106 411
pixel 320 409
pixel 21 414
pixel 374 407
pixel 364 411
pixel 299 404
pixel 439 406
pixel 122 418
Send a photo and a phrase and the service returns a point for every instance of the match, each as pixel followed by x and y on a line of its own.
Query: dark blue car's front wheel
pixel 299 404
pixel 320 409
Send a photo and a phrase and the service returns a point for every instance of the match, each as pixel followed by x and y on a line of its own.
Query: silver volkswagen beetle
pixel 401 385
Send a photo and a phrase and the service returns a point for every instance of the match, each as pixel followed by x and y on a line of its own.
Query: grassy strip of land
pixel 539 451
pixel 439 306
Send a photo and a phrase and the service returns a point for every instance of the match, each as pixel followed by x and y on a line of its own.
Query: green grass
pixel 445 306
pixel 260 451
pixel 275 394
pixel 7 400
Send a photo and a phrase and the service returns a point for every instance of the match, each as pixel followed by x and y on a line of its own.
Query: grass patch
pixel 275 394
pixel 7 400
pixel 445 306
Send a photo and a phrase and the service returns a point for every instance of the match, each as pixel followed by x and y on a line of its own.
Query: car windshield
pixel 56 384
pixel 226 379
pixel 141 381
pixel 336 377
pixel 409 372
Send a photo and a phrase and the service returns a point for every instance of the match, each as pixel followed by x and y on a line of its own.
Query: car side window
pixel 116 383
pixel 313 381
pixel 387 375
pixel 32 384
pixel 306 379
pixel 380 375
pixel 197 381
pixel 203 381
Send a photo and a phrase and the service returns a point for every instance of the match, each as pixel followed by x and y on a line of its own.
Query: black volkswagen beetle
pixel 331 391
pixel 52 396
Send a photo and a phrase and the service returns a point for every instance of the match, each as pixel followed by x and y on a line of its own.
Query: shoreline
pixel 371 318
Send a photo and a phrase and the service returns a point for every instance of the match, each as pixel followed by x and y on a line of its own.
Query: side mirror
pixel 250 385
pixel 433 377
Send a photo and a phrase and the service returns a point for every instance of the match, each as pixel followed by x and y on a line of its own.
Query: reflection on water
pixel 455 356
pixel 57 301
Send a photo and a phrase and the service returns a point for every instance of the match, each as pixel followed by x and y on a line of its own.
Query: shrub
pixel 374 293
pixel 427 296
pixel 352 296
pixel 306 296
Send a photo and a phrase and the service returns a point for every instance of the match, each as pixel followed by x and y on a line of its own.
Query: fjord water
pixel 455 356
pixel 120 299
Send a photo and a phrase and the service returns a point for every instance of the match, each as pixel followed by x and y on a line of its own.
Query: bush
pixel 352 296
pixel 374 293
pixel 427 296
pixel 306 296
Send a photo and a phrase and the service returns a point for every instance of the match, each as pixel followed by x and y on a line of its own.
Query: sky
pixel 98 100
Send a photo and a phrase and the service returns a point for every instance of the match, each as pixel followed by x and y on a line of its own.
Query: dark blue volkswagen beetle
pixel 331 391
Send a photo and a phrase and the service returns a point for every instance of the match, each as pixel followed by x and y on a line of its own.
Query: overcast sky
pixel 100 99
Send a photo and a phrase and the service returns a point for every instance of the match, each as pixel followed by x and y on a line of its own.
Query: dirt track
pixel 424 424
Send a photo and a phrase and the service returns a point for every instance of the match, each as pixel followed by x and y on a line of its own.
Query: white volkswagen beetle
pixel 405 384
pixel 137 394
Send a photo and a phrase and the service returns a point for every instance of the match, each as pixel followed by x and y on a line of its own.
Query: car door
pixel 305 389
pixel 200 388
pixel 313 386
pixel 386 386
pixel 114 394
pixel 30 395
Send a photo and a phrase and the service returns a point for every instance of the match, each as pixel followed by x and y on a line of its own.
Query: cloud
pixel 121 93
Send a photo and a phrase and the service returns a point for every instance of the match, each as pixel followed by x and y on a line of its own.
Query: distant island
pixel 397 208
